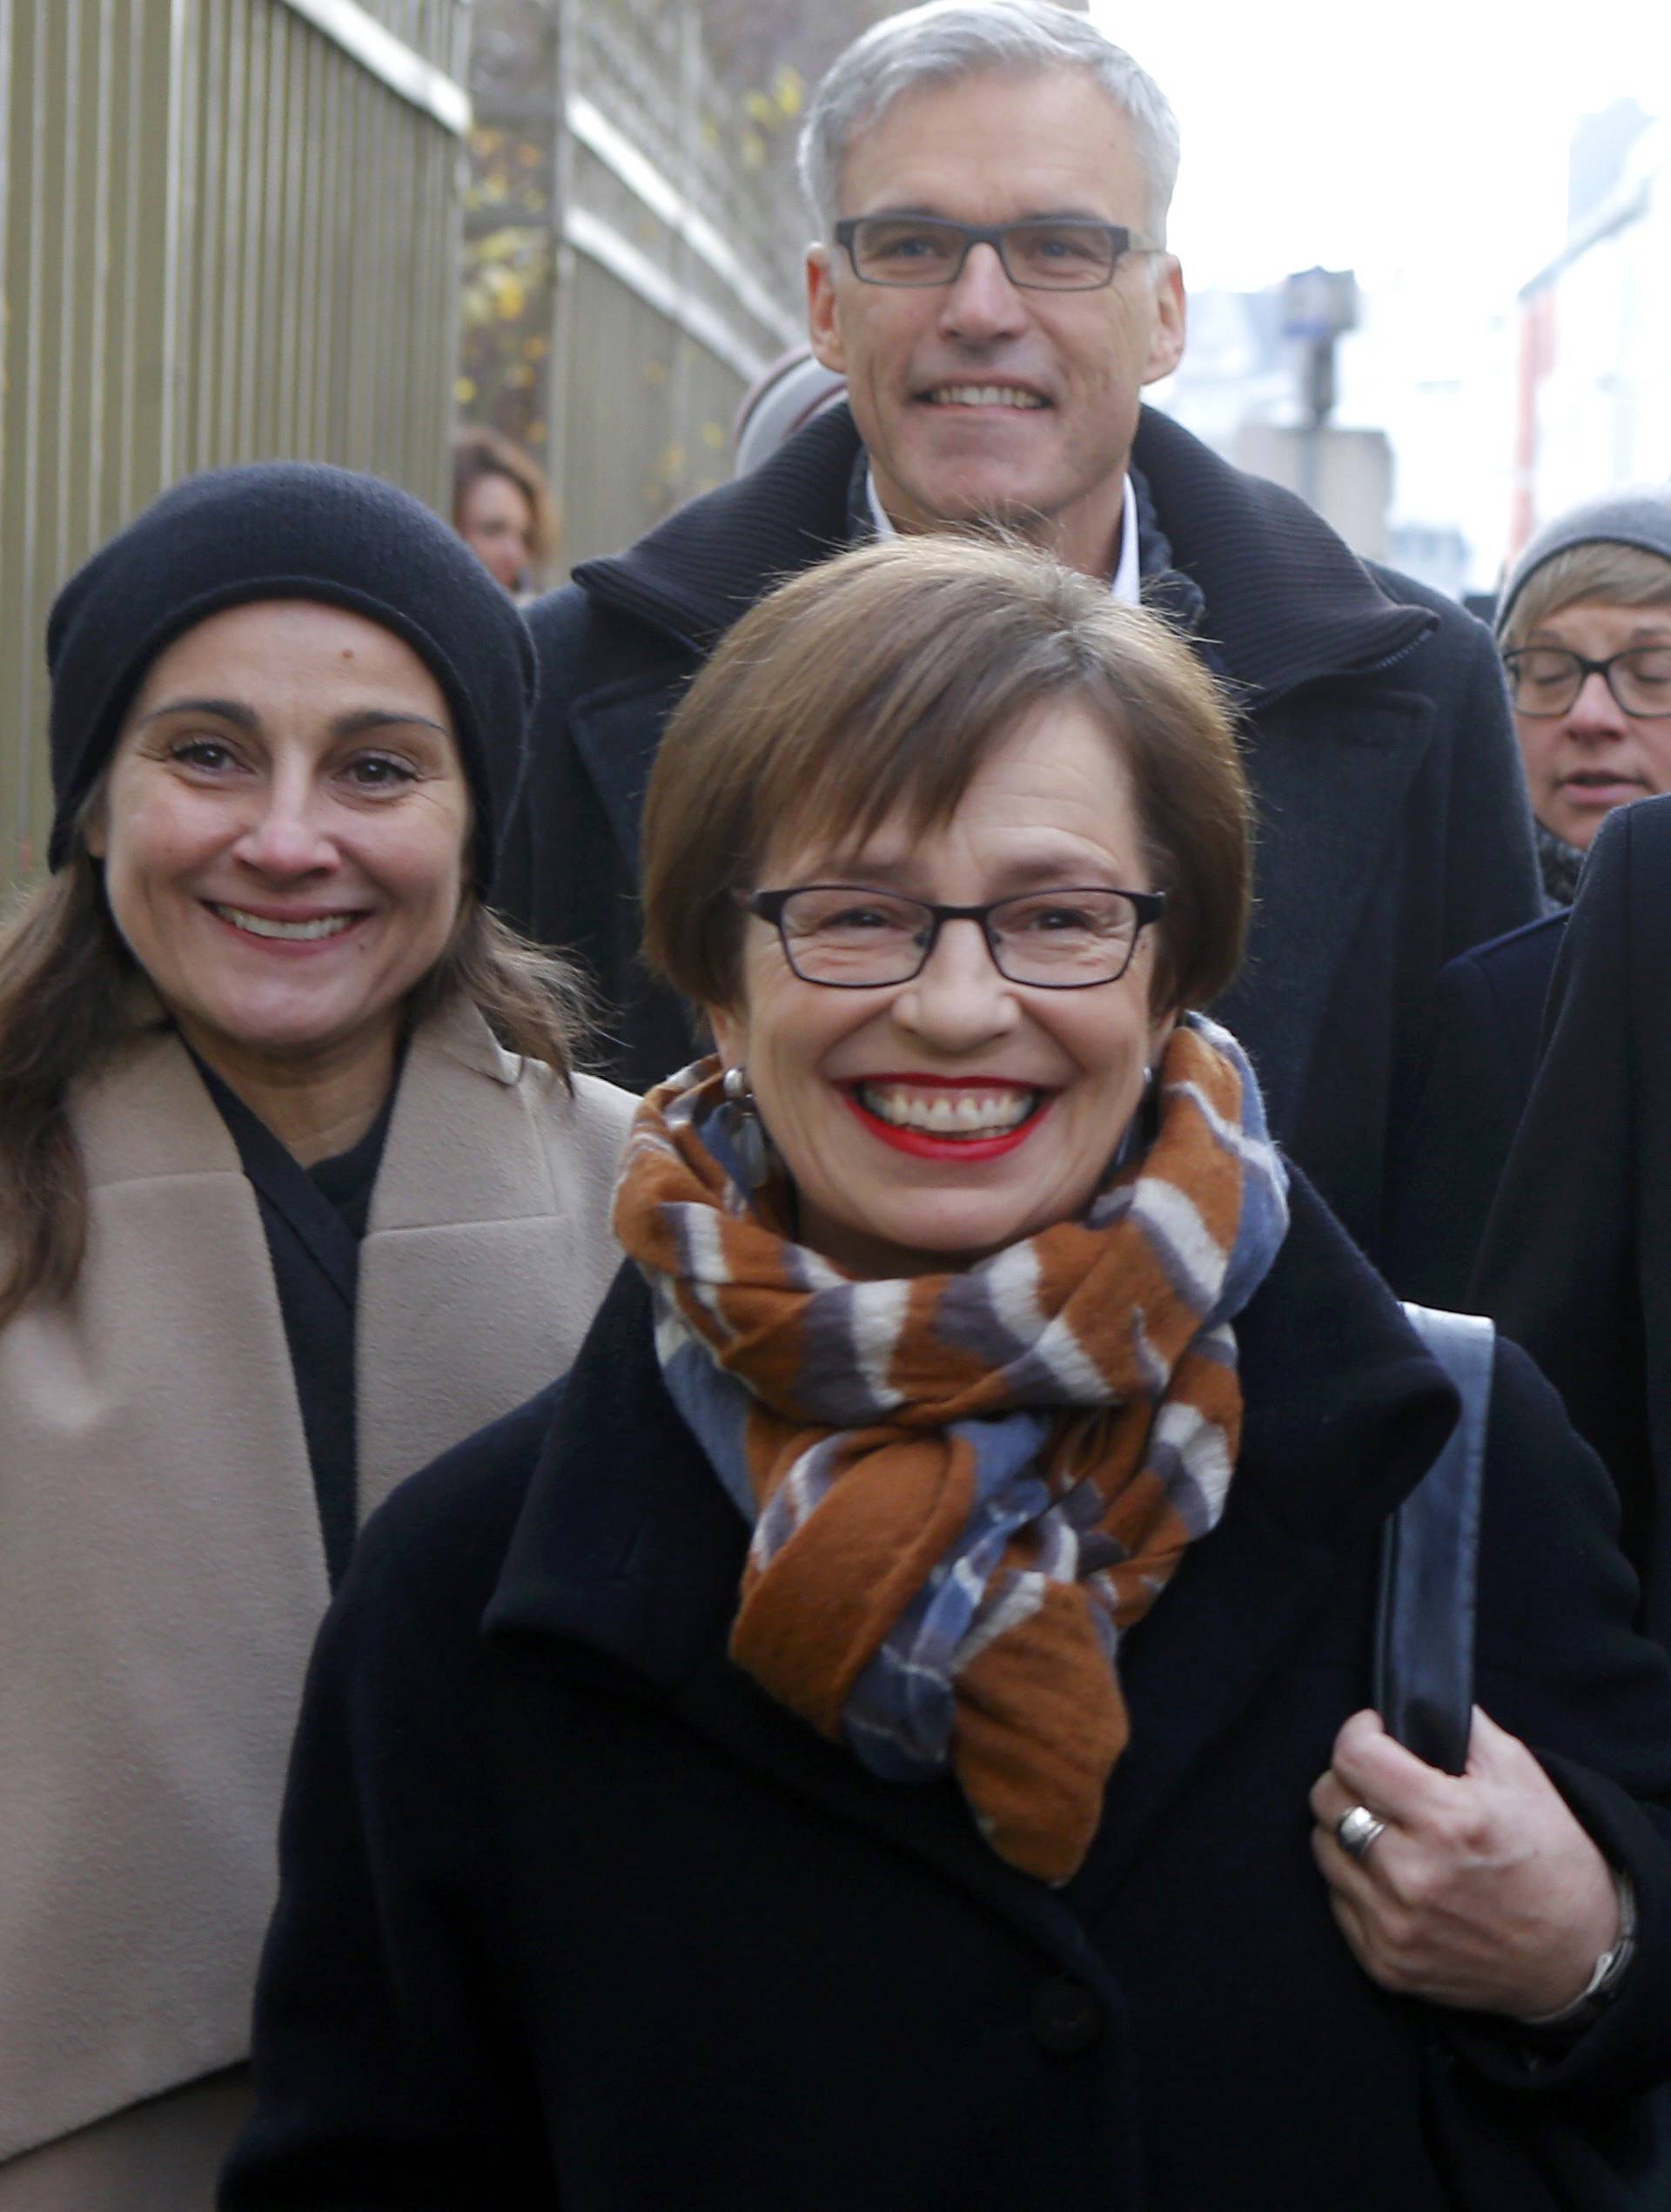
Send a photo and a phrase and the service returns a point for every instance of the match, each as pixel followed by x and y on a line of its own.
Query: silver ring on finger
pixel 1356 1830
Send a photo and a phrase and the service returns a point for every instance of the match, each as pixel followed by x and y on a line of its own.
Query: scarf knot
pixel 966 1489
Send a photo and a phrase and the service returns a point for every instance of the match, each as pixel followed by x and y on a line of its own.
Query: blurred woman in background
pixel 503 509
pixel 298 1186
pixel 1584 622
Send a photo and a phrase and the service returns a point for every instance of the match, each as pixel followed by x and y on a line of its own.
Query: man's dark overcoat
pixel 1449 1158
pixel 573 1914
pixel 1576 1262
pixel 1393 827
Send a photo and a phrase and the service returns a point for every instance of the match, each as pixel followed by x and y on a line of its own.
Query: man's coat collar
pixel 1285 600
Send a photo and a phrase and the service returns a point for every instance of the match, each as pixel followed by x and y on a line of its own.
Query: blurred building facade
pixel 228 230
pixel 1593 407
pixel 1490 414
pixel 626 277
pixel 1241 388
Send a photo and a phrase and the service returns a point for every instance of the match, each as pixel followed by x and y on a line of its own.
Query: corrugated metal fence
pixel 632 267
pixel 681 281
pixel 228 230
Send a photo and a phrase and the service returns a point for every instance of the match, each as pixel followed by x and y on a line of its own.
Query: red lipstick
pixel 922 1143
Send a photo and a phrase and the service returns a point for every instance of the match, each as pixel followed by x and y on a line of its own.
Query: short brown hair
pixel 1623 575
pixel 884 678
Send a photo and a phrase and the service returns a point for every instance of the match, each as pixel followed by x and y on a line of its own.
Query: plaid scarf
pixel 966 1489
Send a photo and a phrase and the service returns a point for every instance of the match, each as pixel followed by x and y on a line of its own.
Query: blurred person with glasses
pixel 991 279
pixel 1573 1261
pixel 1585 626
pixel 1584 623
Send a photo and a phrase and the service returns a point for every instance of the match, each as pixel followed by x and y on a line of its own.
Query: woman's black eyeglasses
pixel 852 939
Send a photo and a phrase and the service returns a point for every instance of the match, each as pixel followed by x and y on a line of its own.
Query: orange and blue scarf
pixel 966 1489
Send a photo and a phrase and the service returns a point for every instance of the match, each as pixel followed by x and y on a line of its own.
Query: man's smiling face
pixel 980 399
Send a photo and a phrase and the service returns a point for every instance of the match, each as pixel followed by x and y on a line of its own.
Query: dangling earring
pixel 742 1128
pixel 1140 1130
pixel 1149 1108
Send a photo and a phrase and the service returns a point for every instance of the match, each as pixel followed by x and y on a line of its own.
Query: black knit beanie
pixel 290 530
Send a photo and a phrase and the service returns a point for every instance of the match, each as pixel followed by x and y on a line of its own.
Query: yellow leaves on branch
pixel 501 271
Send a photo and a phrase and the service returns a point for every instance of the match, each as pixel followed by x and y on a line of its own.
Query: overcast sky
pixel 1433 135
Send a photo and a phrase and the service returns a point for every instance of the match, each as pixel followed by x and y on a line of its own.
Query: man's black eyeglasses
pixel 1044 254
pixel 851 938
pixel 1546 679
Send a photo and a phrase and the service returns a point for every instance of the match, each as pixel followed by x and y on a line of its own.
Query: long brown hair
pixel 66 1006
pixel 64 981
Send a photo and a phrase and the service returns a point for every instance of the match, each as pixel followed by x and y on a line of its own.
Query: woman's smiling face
pixel 1040 1084
pixel 282 832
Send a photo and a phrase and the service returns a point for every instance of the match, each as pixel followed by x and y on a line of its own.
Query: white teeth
pixel 946 1113
pixel 259 925
pixel 984 395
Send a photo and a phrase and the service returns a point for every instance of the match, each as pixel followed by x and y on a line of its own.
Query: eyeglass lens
pixel 834 934
pixel 1044 257
pixel 1546 679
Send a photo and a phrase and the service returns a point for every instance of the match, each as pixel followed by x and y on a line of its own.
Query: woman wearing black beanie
pixel 298 1187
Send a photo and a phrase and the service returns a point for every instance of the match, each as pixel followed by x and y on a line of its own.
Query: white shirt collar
pixel 1127 585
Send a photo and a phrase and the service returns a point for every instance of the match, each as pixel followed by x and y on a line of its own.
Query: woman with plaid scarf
pixel 891 1728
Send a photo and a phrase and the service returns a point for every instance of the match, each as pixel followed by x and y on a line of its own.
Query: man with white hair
pixel 990 181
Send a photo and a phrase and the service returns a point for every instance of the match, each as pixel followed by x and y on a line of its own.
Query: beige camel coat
pixel 161 1570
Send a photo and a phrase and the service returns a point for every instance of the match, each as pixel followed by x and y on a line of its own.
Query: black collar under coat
pixel 1286 603
pixel 628 1552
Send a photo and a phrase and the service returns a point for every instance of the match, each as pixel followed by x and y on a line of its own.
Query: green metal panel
pixel 228 230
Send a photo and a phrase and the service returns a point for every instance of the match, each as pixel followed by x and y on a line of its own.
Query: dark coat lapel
pixel 1644 835
pixel 1236 1606
pixel 695 574
pixel 1287 603
pixel 616 733
pixel 1350 769
pixel 628 1551
pixel 930 1821
pixel 1573 1261
pixel 1298 623
pixel 689 580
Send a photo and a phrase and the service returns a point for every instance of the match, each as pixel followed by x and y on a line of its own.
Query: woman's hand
pixel 1482 1891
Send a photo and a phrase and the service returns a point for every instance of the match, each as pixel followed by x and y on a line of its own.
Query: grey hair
pixel 949 40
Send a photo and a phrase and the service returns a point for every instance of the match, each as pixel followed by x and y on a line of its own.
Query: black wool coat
pixel 1576 1260
pixel 1393 829
pixel 573 1914
pixel 1481 1057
